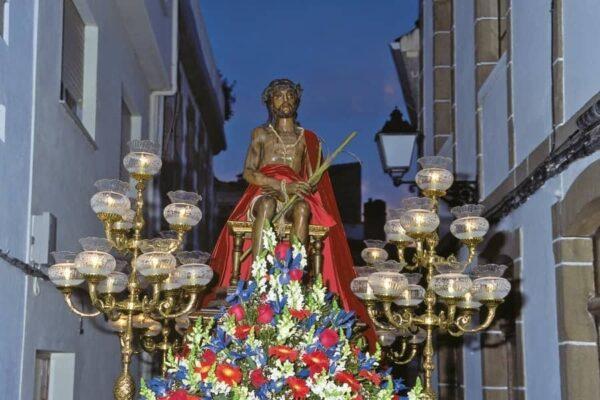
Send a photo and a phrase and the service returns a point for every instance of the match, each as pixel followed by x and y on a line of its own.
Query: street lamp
pixel 397 143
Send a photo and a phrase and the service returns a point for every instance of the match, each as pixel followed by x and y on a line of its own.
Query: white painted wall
pixel 531 23
pixel 494 128
pixel 464 84
pixel 581 58
pixel 66 163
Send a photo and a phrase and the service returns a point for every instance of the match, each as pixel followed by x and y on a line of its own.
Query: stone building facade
pixel 78 80
pixel 509 90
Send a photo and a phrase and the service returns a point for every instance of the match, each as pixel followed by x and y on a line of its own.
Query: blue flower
pixel 159 386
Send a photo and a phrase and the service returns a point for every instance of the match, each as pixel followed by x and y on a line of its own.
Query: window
pixel 125 138
pixel 54 375
pixel 73 47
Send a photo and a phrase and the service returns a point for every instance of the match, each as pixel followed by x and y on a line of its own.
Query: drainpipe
pixel 154 112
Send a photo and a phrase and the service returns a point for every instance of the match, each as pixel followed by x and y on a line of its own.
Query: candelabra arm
pixel 397 320
pixel 163 307
pixel 463 321
pixel 68 295
pixel 409 357
pixel 149 304
pixel 107 305
pixel 374 314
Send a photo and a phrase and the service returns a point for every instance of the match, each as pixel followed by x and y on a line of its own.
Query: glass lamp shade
pixel 418 337
pixel 111 197
pixel 65 275
pixel 387 284
pixel 182 324
pixel 469 224
pixel 115 282
pixel 142 159
pixel 468 302
pixel 192 257
pixel 126 221
pixel 413 278
pixel 361 288
pixel 419 216
pixel 451 285
pixel 389 265
pixel 194 275
pixel 161 245
pixel 394 232
pixel 490 288
pixel 61 257
pixel 488 271
pixel 374 252
pixel 450 267
pixel 95 259
pixel 155 264
pixel 435 175
pixel 182 214
pixel 385 337
pixel 412 296
pixel 374 243
pixel 171 283
pixel 364 271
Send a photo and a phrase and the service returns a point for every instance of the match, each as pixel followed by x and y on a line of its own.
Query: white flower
pixel 221 388
pixel 325 388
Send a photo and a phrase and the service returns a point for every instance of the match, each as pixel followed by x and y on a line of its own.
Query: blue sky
pixel 337 49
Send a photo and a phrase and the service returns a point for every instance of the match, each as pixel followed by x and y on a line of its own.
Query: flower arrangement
pixel 279 339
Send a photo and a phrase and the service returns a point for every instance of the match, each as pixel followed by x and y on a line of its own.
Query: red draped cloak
pixel 338 267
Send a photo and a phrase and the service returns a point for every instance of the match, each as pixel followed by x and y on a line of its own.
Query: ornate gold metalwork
pixel 159 305
pixel 442 314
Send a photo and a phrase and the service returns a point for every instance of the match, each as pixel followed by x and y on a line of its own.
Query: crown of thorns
pixel 278 84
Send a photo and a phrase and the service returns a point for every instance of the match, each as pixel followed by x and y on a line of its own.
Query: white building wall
pixel 494 129
pixel 531 23
pixel 67 161
pixel 581 58
pixel 16 73
pixel 464 84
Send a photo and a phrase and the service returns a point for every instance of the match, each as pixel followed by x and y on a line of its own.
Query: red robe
pixel 336 275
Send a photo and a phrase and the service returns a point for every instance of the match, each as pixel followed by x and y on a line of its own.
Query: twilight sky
pixel 337 49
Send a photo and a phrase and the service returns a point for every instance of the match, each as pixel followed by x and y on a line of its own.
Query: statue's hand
pixel 299 188
pixel 270 191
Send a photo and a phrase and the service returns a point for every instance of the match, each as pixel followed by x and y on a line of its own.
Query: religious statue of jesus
pixel 281 157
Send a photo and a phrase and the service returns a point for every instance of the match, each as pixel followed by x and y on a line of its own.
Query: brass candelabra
pixel 144 303
pixel 449 299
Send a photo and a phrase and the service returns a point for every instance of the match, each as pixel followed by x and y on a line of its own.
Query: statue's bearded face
pixel 284 102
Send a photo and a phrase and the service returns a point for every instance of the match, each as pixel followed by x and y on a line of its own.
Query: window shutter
pixel 72 56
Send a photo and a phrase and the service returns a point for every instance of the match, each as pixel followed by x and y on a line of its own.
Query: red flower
pixel 258 378
pixel 358 397
pixel 281 250
pixel 316 361
pixel 229 374
pixel 299 388
pixel 347 378
pixel 329 337
pixel 371 376
pixel 283 353
pixel 180 394
pixel 296 274
pixel 242 331
pixel 238 311
pixel 299 314
pixel 203 367
pixel 265 314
